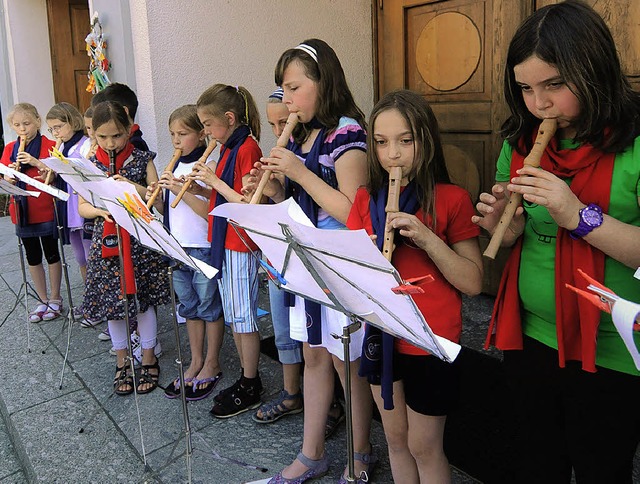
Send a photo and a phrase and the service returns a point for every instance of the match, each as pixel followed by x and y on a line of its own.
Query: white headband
pixel 309 50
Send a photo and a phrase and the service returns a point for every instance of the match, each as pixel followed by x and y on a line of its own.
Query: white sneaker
pixel 104 335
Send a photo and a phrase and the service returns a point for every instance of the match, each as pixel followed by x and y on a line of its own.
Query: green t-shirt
pixel 536 280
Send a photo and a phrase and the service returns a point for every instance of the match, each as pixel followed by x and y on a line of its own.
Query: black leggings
pixel 34 246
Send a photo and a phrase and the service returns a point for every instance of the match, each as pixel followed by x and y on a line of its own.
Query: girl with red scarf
pixel 144 270
pixel 575 384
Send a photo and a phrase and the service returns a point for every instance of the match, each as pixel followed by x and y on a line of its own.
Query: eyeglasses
pixel 56 128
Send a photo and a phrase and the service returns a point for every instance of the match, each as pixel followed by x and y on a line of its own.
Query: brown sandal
pixel 148 378
pixel 123 379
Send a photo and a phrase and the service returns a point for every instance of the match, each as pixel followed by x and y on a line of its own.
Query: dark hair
pixel 110 111
pixel 429 164
pixel 188 114
pixel 89 112
pixel 120 93
pixel 220 98
pixel 334 97
pixel 67 113
pixel 576 40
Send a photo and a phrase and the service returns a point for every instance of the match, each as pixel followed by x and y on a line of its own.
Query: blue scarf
pixel 67 145
pixel 33 148
pixel 219 232
pixel 377 361
pixel 190 158
pixel 310 208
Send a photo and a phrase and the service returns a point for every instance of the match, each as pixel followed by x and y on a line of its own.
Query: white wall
pixel 25 74
pixel 192 44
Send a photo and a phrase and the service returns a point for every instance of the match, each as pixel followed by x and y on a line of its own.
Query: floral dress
pixel 103 296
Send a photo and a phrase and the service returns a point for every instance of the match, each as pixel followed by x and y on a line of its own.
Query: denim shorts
pixel 198 295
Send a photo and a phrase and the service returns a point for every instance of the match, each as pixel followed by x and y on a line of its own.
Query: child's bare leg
pixel 39 279
pixel 318 394
pixel 425 443
pixel 211 364
pixel 250 344
pixel 396 431
pixel 196 332
pixel 362 407
pixel 55 280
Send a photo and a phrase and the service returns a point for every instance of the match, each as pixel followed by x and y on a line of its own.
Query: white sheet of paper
pixel 624 315
pixel 150 234
pixel 637 274
pixel 77 171
pixel 351 266
pixel 5 170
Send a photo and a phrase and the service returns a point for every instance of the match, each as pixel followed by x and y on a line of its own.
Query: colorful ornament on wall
pixel 99 65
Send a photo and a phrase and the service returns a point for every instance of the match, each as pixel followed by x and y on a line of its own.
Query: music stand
pixel 131 214
pixel 12 190
pixel 342 270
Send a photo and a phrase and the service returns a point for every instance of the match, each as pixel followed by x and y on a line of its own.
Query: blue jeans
pixel 289 350
pixel 198 295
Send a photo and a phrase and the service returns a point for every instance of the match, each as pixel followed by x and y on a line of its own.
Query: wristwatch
pixel 590 218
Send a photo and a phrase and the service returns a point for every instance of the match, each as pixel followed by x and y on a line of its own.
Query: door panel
pixel 68 27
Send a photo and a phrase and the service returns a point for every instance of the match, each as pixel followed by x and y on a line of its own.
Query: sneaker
pixel 104 335
pixel 240 399
pixel 89 323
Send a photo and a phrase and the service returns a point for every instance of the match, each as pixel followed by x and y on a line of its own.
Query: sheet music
pixel 11 173
pixel 136 219
pixel 350 265
pixel 75 171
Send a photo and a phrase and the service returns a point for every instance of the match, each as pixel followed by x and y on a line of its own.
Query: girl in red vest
pixel 34 216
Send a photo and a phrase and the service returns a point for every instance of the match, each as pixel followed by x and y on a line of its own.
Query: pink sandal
pixel 54 310
pixel 35 316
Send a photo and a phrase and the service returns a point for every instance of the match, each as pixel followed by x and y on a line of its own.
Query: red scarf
pixel 109 232
pixel 577 319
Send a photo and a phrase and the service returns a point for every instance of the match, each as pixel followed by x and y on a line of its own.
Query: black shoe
pixel 239 399
pixel 222 394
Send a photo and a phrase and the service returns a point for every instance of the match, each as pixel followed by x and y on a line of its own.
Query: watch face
pixel 592 217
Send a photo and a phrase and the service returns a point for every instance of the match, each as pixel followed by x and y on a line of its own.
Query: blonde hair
pixel 67 113
pixel 26 108
pixel 220 98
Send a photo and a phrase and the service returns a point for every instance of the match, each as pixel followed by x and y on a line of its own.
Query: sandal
pixel 316 468
pixel 194 394
pixel 148 378
pixel 276 409
pixel 123 381
pixel 173 389
pixel 371 460
pixel 54 310
pixel 334 421
pixel 35 316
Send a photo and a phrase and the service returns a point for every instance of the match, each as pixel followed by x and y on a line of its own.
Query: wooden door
pixel 68 27
pixel 454 52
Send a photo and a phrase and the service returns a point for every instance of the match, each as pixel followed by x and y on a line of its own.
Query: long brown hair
pixel 429 166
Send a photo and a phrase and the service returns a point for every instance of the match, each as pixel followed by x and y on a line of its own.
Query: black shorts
pixel 431 386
